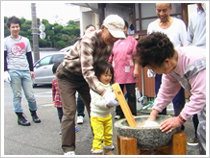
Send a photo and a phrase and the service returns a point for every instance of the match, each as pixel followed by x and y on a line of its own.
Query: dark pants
pixel 60 114
pixel 68 84
pixel 195 123
pixel 178 101
pixel 131 99
pixel 80 106
pixel 201 131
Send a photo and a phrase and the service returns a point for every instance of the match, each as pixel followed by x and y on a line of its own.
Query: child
pixel 101 118
pixel 184 66
pixel 56 95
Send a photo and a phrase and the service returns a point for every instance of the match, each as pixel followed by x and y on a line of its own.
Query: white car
pixel 43 67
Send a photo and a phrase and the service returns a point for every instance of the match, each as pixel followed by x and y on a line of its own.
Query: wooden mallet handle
pixel 124 106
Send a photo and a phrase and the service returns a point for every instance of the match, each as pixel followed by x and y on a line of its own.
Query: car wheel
pixel 34 85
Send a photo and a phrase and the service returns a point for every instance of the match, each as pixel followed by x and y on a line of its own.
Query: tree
pixel 57 36
pixel 58 28
pixel 22 20
pixel 60 44
pixel 5 19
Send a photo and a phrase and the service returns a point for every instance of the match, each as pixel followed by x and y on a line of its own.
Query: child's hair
pixel 103 67
pixel 154 49
pixel 126 24
pixel 89 26
pixel 14 20
pixel 55 66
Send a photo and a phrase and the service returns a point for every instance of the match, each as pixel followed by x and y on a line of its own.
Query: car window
pixel 45 61
pixel 57 58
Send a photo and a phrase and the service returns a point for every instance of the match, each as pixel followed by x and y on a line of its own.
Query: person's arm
pixel 5 61
pixel 183 33
pixel 196 104
pixel 53 90
pixel 198 97
pixel 98 100
pixel 168 90
pixel 136 63
pixel 189 33
pixel 30 61
pixel 7 77
pixel 88 48
pixel 136 69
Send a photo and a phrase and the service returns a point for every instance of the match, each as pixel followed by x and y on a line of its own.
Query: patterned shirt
pixel 84 54
pixel 56 94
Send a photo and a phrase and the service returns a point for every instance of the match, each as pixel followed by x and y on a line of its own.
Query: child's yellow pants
pixel 102 130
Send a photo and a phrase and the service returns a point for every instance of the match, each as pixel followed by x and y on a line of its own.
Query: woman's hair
pixel 14 20
pixel 154 49
pixel 103 67
pixel 55 66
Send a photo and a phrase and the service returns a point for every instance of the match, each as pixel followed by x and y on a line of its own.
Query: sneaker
pixel 112 146
pixel 193 142
pixel 60 132
pixel 80 119
pixel 76 129
pixel 70 153
pixel 117 117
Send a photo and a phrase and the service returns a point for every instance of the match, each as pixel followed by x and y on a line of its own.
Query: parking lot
pixel 44 139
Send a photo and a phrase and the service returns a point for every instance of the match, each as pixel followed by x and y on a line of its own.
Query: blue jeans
pixel 60 114
pixel 22 79
pixel 80 106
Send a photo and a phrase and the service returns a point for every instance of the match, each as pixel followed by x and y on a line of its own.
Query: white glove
pixel 7 77
pixel 109 98
pixel 150 73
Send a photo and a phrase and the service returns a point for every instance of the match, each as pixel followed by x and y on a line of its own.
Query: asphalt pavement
pixel 43 139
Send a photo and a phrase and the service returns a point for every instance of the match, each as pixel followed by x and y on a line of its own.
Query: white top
pixel 98 107
pixel 176 32
pixel 130 31
pixel 16 53
pixel 196 33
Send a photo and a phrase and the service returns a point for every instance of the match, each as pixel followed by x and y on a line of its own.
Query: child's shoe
pixel 108 152
pixel 97 152
pixel 76 129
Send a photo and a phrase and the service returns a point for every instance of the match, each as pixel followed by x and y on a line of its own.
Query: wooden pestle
pixel 124 106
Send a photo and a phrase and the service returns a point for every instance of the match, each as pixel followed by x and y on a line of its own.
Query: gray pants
pixel 201 131
pixel 68 84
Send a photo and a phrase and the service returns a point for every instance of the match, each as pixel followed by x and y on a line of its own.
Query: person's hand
pixel 110 99
pixel 150 73
pixel 152 117
pixel 32 74
pixel 7 77
pixel 170 124
pixel 135 73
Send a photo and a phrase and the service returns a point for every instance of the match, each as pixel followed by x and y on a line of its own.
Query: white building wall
pixel 87 17
pixel 120 10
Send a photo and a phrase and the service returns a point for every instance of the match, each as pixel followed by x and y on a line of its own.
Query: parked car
pixel 43 67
